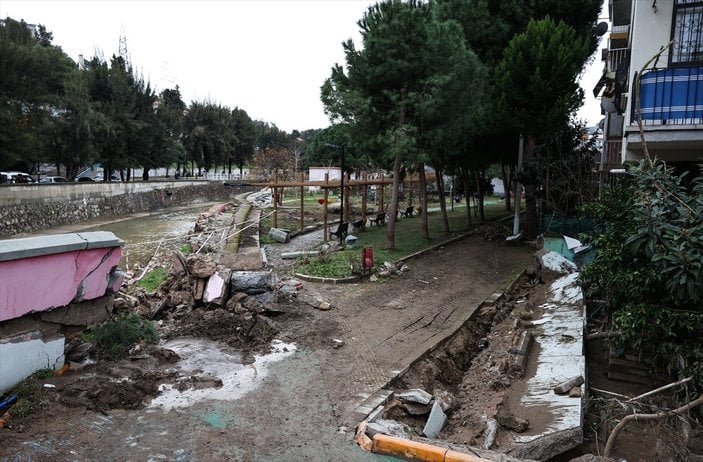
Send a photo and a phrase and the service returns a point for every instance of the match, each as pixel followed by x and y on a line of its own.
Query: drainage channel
pixel 472 397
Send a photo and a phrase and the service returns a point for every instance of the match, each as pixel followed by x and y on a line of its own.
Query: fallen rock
pixel 324 306
pixel 201 266
pixel 510 422
pixel 415 395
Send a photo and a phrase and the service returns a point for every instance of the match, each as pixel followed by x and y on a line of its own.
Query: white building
pixel 318 174
pixel 663 41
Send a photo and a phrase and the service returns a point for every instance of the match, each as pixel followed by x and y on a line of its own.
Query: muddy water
pixel 143 234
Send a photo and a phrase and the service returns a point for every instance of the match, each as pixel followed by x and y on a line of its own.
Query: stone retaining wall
pixel 29 208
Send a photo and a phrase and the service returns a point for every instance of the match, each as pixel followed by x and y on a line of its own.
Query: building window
pixel 687 32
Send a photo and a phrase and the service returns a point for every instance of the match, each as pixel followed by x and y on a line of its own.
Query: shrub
pixel 114 338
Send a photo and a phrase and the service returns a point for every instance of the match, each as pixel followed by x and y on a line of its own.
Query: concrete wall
pixel 42 276
pixel 29 208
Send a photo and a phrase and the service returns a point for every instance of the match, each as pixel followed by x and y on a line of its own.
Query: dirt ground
pixel 303 406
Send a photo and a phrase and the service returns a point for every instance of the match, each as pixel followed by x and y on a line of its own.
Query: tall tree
pixel 537 86
pixel 32 78
pixel 395 84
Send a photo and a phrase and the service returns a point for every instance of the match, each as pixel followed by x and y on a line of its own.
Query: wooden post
pixel 380 197
pixel 302 203
pixel 363 198
pixel 325 235
pixel 275 201
pixel 346 203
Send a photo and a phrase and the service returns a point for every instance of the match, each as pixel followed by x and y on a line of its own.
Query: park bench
pixel 342 231
pixel 379 220
pixel 358 225
pixel 409 212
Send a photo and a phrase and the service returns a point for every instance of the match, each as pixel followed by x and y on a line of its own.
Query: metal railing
pixel 670 97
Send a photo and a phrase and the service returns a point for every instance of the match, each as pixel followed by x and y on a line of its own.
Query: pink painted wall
pixel 50 281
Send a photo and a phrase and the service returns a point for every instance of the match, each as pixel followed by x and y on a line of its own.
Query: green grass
pixel 408 240
pixel 30 393
pixel 153 279
pixel 186 249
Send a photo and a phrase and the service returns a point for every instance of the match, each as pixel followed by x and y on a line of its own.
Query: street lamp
pixel 341 190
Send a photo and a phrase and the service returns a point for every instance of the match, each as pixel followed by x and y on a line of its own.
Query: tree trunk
pixel 145 174
pixel 465 177
pixel 479 197
pixel 423 202
pixel 393 206
pixel 530 223
pixel 442 200
pixel 507 185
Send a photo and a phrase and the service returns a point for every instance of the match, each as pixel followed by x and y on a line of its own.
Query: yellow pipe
pixel 413 450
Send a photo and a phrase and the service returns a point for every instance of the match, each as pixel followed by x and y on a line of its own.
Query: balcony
pixel 612 152
pixel 671 97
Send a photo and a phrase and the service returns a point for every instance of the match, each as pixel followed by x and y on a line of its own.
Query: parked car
pixel 113 177
pixel 19 177
pixel 85 179
pixel 53 179
pixel 4 178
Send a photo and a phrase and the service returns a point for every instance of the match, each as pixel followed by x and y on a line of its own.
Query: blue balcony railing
pixel 671 97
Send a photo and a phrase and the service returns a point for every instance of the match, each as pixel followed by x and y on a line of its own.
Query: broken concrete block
pixel 387 427
pixel 415 395
pixel 575 392
pixel 416 409
pixel 217 287
pixel 556 262
pixel 435 421
pixel 251 282
pixel 567 385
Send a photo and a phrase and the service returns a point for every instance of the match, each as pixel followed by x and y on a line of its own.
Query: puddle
pixel 205 357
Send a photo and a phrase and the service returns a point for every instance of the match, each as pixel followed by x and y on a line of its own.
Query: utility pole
pixel 516 221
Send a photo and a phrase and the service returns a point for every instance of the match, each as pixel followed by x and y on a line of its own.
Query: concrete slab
pixel 559 358
pixel 14 249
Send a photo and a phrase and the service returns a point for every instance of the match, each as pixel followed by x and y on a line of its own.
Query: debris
pixel 415 395
pixel 489 435
pixel 416 409
pixel 201 266
pixel 387 427
pixel 324 306
pixel 567 385
pixel 575 392
pixel 435 421
pixel 483 344
pixel 510 422
pixel 337 343
pixel 373 278
pixel 279 235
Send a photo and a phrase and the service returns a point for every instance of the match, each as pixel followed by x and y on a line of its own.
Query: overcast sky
pixel 268 57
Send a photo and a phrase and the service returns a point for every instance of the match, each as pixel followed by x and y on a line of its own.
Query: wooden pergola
pixel 327 184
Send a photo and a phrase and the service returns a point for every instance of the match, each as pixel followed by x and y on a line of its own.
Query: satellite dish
pixel 601 28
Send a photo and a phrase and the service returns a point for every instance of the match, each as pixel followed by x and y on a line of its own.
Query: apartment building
pixel 652 85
